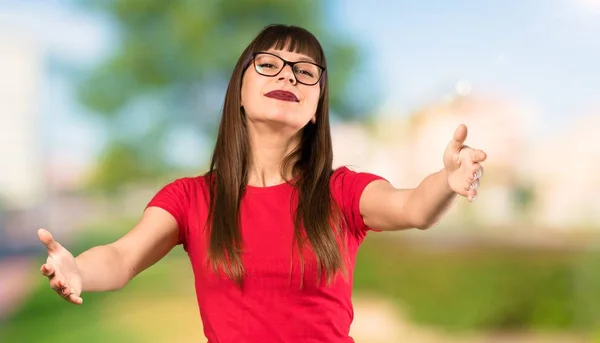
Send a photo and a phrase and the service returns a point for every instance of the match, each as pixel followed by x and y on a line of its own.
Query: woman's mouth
pixel 282 95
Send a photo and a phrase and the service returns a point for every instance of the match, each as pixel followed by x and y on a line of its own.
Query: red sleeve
pixel 348 188
pixel 174 198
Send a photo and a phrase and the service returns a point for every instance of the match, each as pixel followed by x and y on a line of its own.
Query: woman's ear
pixel 314 119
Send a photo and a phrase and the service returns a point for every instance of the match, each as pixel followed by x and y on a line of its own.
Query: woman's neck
pixel 267 154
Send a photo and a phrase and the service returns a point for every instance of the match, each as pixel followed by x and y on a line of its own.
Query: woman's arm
pixel 386 208
pixel 109 267
pixel 112 266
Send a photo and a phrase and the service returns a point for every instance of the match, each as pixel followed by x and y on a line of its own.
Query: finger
pixel 467 186
pixel 57 284
pixel 46 238
pixel 477 172
pixel 460 135
pixel 474 185
pixel 68 294
pixel 64 292
pixel 472 195
pixel 74 298
pixel 477 156
pixel 47 270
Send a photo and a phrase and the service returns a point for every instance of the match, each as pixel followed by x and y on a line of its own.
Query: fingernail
pixel 474 198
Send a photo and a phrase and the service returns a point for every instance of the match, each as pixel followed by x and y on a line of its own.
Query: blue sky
pixel 541 53
pixel 538 54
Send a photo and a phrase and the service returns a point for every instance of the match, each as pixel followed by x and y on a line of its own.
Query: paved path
pixel 18 278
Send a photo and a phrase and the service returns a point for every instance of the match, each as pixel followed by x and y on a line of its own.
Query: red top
pixel 271 306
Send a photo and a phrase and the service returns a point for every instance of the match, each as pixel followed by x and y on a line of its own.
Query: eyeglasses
pixel 271 65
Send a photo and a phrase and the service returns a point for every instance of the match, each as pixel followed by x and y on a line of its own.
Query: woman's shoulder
pixel 184 185
pixel 348 172
pixel 341 172
pixel 195 181
pixel 181 192
pixel 346 178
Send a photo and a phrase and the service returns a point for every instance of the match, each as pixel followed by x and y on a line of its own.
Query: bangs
pixel 292 39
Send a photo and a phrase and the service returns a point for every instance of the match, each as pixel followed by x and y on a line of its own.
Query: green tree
pixel 169 72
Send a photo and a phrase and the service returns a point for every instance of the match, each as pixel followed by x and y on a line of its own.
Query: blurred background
pixel 104 102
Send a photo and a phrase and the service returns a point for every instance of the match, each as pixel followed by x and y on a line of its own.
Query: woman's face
pixel 280 99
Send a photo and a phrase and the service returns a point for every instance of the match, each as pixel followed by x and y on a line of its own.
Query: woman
pixel 272 230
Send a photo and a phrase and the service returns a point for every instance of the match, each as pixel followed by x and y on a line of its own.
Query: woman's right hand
pixel 61 269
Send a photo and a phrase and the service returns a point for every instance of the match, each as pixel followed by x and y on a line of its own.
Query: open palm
pixel 61 269
pixel 463 165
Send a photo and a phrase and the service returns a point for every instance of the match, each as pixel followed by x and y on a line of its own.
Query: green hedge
pixel 478 288
pixel 484 287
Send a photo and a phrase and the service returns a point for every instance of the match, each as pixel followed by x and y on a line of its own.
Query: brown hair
pixel 317 218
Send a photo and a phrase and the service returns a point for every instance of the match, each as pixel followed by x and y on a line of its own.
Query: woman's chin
pixel 286 119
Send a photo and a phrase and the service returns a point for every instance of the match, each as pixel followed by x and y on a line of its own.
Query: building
pixel 21 174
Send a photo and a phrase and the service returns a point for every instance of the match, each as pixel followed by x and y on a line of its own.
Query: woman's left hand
pixel 463 165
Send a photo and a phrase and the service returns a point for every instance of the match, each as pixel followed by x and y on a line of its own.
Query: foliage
pixel 485 288
pixel 171 65
pixel 45 318
pixel 480 289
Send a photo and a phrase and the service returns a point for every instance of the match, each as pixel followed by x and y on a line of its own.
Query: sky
pixel 542 55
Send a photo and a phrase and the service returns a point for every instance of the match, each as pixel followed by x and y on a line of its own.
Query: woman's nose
pixel 288 74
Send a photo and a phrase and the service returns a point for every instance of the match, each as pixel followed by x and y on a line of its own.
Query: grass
pixel 485 288
pixel 141 312
pixel 481 289
pixel 150 307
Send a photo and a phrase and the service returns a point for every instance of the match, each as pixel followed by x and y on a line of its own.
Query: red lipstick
pixel 282 95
